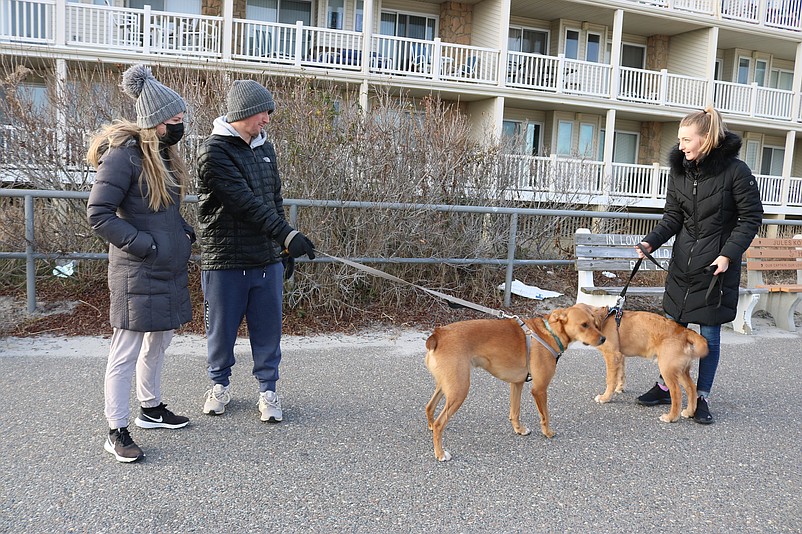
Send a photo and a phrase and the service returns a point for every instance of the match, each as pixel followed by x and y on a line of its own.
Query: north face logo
pixel 266 159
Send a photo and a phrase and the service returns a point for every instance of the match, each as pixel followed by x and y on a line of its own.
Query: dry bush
pixel 401 151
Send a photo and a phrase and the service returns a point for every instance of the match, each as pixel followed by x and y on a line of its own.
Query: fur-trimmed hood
pixel 714 163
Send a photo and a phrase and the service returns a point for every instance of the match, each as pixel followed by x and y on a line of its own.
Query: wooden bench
pixel 767 255
pixel 615 253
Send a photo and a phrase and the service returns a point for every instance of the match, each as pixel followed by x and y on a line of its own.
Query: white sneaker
pixel 216 399
pixel 270 407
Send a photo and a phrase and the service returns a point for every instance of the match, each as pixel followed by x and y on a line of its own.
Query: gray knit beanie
pixel 155 103
pixel 247 98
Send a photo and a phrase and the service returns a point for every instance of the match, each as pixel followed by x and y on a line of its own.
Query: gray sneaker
pixel 270 407
pixel 216 399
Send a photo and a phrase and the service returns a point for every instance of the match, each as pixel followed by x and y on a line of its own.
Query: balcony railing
pixel 780 14
pixel 158 34
pixel 549 177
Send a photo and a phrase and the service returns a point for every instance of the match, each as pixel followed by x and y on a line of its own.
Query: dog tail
pixel 696 345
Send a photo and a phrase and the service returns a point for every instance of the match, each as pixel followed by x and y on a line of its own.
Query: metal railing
pixel 30 255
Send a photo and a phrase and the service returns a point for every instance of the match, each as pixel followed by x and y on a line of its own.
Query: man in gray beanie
pixel 247 246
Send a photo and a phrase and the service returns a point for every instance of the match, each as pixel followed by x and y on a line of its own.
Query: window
pixel 761 66
pixel 593 50
pixel 781 79
pixel 406 25
pixel 335 14
pixel 772 161
pixel 572 44
pixel 190 7
pixel 527 133
pixel 286 11
pixel 359 14
pixel 633 56
pixel 743 70
pixel 625 147
pixel 586 134
pixel 528 41
pixel 565 133
pixel 752 149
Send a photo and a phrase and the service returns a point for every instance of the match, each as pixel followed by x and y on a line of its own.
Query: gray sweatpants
pixel 140 351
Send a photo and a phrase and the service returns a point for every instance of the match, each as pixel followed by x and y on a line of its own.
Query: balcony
pixel 774 14
pixel 554 178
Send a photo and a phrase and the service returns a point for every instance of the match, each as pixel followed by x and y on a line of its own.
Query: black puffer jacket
pixel 714 209
pixel 240 207
pixel 148 250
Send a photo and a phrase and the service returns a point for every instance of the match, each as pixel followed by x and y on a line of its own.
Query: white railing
pixel 694 6
pixel 468 63
pixel 660 87
pixel 741 10
pixel 794 191
pixel 770 188
pixel 639 181
pixel 103 26
pixel 142 31
pixel 753 100
pixel 30 21
pixel 784 14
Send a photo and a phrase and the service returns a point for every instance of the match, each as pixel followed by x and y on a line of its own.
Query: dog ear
pixel 560 314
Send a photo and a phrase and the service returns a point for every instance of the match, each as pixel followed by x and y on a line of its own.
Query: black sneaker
pixel 702 415
pixel 120 444
pixel 655 396
pixel 160 417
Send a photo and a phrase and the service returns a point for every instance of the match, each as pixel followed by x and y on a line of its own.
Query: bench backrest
pixel 765 254
pixel 615 252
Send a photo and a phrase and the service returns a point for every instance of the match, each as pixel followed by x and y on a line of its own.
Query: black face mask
pixel 173 134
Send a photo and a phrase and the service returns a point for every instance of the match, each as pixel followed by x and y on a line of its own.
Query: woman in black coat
pixel 713 208
pixel 135 205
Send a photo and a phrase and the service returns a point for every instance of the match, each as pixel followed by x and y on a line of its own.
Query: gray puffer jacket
pixel 713 208
pixel 148 251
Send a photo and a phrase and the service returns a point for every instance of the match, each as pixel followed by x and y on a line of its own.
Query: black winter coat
pixel 148 251
pixel 240 207
pixel 714 209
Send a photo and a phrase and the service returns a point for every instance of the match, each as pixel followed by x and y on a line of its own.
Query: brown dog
pixel 499 347
pixel 650 335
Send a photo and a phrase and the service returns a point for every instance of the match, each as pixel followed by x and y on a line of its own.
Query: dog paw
pixel 549 433
pixel 686 413
pixel 600 399
pixel 666 419
pixel 523 431
pixel 446 456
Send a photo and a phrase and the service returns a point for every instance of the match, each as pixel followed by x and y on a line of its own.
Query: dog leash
pixel 618 308
pixel 500 314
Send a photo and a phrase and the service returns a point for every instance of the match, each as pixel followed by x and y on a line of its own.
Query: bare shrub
pixel 406 153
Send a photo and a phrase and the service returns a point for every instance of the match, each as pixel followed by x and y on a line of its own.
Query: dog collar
pixel 556 338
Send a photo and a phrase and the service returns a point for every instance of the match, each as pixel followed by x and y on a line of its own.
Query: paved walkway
pixel 354 454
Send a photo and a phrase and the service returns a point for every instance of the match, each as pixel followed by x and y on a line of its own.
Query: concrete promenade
pixel 354 455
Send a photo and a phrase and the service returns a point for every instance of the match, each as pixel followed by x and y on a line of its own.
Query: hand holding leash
pixel 301 245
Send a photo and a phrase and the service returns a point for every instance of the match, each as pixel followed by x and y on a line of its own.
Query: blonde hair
pixel 159 180
pixel 709 124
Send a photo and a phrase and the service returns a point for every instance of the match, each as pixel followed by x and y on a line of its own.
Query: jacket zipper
pixel 696 235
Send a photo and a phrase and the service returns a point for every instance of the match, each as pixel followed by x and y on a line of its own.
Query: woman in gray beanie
pixel 135 205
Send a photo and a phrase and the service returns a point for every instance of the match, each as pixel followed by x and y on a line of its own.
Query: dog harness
pixel 529 335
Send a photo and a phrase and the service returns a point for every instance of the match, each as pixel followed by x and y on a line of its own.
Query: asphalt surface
pixel 354 454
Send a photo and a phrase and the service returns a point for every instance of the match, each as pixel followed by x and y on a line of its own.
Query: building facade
pixel 591 90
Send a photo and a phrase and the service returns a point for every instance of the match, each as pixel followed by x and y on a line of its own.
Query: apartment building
pixel 591 90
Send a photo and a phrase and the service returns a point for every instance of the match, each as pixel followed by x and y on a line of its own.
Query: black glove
pixel 301 245
pixel 289 266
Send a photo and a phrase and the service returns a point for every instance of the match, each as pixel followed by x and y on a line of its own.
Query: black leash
pixel 618 309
